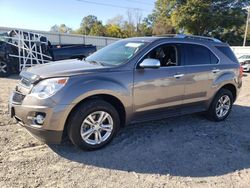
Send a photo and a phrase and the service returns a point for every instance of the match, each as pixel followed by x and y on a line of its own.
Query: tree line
pixel 223 19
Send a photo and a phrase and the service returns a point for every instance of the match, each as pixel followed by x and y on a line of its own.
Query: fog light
pixel 39 119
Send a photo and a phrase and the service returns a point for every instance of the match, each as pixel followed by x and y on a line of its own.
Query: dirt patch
pixel 176 152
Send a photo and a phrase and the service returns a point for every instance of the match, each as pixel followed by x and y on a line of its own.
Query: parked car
pixel 132 80
pixel 20 49
pixel 245 62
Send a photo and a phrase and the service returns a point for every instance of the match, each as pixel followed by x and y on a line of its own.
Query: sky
pixel 42 14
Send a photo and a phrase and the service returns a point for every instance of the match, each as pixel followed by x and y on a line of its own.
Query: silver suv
pixel 132 80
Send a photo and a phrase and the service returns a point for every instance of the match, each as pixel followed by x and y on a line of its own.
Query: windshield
pixel 116 53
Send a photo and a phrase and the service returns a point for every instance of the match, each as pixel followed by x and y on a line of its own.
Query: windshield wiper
pixel 95 62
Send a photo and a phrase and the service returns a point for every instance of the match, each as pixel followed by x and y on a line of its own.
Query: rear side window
pixel 227 52
pixel 199 55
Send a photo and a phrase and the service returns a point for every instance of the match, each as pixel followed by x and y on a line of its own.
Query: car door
pixel 162 88
pixel 200 64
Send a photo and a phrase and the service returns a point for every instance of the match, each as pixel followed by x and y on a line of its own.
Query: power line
pixel 140 2
pixel 112 5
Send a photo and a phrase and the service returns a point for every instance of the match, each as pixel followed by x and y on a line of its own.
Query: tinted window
pixel 199 55
pixel 213 58
pixel 166 54
pixel 227 52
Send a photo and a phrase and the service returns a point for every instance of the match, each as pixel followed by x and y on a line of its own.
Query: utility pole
pixel 248 15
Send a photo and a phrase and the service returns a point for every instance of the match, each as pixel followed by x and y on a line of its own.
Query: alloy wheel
pixel 223 106
pixel 96 127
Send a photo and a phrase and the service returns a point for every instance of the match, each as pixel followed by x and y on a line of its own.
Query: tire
pixel 4 69
pixel 83 127
pixel 220 115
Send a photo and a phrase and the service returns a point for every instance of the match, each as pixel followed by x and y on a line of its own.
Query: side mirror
pixel 150 63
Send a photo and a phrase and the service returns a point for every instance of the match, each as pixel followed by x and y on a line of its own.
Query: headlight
pixel 48 87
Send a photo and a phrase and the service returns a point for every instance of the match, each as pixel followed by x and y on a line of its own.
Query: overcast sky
pixel 42 14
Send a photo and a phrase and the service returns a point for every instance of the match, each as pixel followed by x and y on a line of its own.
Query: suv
pixel 132 80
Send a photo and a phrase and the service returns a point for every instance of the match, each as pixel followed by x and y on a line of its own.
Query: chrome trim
pixel 178 75
pixel 216 70
pixel 150 63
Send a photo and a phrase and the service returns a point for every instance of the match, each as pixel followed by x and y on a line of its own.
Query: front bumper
pixel 51 131
pixel 46 136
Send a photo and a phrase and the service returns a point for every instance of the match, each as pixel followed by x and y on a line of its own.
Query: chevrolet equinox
pixel 132 80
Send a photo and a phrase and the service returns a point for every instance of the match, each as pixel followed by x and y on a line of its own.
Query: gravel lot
pixel 187 151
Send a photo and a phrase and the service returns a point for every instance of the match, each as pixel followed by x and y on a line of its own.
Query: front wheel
pixel 93 125
pixel 221 105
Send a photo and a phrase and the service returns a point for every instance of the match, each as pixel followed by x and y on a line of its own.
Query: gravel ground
pixel 187 151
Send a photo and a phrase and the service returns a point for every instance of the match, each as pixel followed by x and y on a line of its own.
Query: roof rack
pixel 197 37
pixel 166 35
pixel 183 36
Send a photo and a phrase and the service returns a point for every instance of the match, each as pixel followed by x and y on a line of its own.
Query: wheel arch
pixel 231 88
pixel 107 98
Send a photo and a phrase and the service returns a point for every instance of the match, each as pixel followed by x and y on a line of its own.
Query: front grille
pixel 17 97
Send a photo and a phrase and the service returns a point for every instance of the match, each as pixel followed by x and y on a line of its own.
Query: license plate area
pixel 17 97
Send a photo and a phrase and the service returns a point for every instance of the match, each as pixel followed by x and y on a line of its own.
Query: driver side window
pixel 166 54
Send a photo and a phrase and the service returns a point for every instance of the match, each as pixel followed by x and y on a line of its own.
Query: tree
pixel 114 31
pixel 195 17
pixel 87 23
pixel 223 19
pixel 117 20
pixel 129 29
pixel 204 17
pixel 97 29
pixel 163 27
pixel 144 28
pixel 220 18
pixel 161 17
pixel 61 29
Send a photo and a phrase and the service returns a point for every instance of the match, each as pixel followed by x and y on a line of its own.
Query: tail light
pixel 241 71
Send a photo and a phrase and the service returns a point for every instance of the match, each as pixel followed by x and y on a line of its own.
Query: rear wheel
pixel 221 106
pixel 93 125
pixel 4 69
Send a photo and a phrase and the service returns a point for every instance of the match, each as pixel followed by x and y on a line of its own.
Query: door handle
pixel 178 75
pixel 215 70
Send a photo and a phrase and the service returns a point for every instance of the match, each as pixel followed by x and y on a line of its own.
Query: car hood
pixel 61 68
